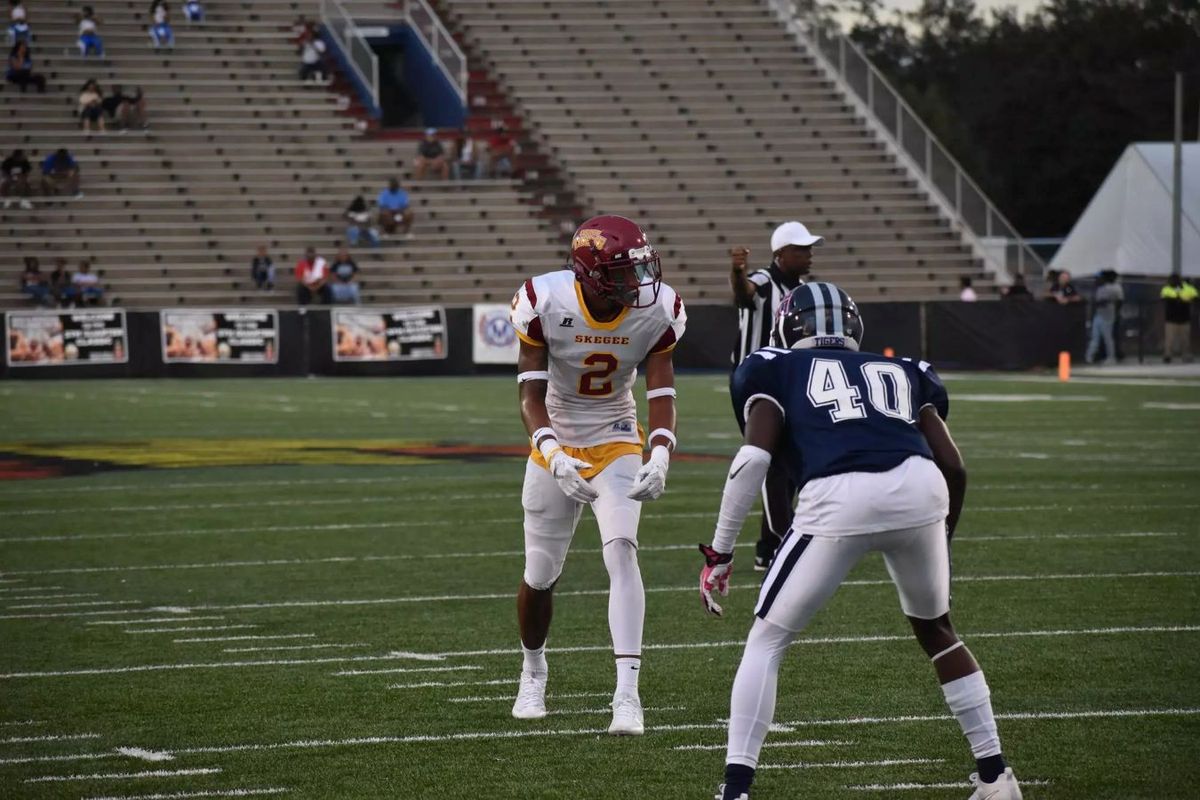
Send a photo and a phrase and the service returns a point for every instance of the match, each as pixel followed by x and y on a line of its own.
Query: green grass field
pixel 292 587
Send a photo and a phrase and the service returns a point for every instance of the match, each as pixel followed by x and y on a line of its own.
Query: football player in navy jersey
pixel 865 438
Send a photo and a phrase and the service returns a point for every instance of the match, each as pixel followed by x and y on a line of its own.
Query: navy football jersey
pixel 843 411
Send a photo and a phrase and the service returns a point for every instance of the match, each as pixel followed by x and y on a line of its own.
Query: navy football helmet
pixel 817 315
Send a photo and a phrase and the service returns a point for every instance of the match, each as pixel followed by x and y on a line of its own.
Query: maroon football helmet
pixel 611 256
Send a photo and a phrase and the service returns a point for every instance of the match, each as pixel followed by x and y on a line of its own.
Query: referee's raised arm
pixel 743 288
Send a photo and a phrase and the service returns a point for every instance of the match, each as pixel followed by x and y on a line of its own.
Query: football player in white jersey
pixel 583 333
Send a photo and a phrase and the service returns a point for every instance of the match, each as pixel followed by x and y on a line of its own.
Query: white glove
pixel 651 480
pixel 565 470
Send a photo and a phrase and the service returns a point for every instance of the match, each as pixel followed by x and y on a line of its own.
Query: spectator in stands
pixel 1178 296
pixel 1062 291
pixel 302 30
pixel 467 157
pixel 431 154
pixel 343 288
pixel 60 284
pixel 14 180
pixel 312 59
pixel 91 107
pixel 1017 291
pixel 262 269
pixel 394 211
pixel 312 278
pixel 60 174
pixel 967 295
pixel 18 26
pixel 89 33
pixel 500 154
pixel 193 11
pixel 20 69
pixel 126 110
pixel 87 285
pixel 359 223
pixel 34 283
pixel 1106 303
pixel 160 28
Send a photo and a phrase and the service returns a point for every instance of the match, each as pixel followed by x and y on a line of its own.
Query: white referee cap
pixel 793 233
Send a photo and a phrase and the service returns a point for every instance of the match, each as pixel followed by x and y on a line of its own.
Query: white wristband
pixel 546 441
pixel 533 375
pixel 666 391
pixel 664 433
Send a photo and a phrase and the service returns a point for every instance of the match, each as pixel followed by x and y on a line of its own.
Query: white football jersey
pixel 593 365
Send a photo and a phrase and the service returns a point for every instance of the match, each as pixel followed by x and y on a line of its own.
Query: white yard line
pixel 251 637
pixel 62 737
pixel 605 710
pixel 51 596
pixel 292 647
pixel 310 744
pixel 58 759
pixel 441 684
pixel 289 562
pixel 182 795
pixel 885 762
pixel 576 649
pixel 903 787
pixel 799 743
pixel 397 670
pixel 23 723
pixel 126 776
pixel 507 698
pixel 154 620
pixel 191 629
pixel 86 604
pixel 27 588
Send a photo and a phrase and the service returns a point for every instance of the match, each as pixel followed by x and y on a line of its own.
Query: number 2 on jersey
pixel 888 390
pixel 593 383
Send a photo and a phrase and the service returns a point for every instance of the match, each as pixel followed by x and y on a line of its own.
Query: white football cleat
pixel 531 697
pixel 627 716
pixel 1005 787
pixel 720 795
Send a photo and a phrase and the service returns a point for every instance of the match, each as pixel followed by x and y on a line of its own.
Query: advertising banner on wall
pixel 400 334
pixel 41 338
pixel 193 336
pixel 493 341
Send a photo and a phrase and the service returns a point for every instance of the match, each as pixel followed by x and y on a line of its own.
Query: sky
pixel 983 5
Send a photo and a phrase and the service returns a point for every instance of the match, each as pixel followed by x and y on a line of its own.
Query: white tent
pixel 1127 225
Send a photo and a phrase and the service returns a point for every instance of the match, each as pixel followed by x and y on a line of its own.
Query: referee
pixel 757 297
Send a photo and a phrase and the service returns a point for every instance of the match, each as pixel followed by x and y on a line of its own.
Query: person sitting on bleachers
pixel 160 29
pixel 87 285
pixel 18 26
pixel 500 154
pixel 343 288
pixel 34 284
pixel 126 110
pixel 359 219
pixel 262 269
pixel 303 29
pixel 394 211
pixel 14 180
pixel 89 33
pixel 467 158
pixel 193 11
pixel 312 59
pixel 20 68
pixel 60 284
pixel 60 174
pixel 430 153
pixel 91 107
pixel 312 278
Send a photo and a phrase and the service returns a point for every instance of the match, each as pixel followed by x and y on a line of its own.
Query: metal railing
pixel 340 25
pixel 440 44
pixel 994 238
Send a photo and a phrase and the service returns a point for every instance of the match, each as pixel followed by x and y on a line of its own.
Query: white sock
pixel 628 670
pixel 626 597
pixel 752 705
pixel 970 701
pixel 535 660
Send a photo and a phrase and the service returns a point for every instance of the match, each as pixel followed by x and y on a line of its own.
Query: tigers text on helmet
pixel 611 256
pixel 817 315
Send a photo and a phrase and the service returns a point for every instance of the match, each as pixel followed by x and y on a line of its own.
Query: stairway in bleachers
pixel 705 121
pixel 239 153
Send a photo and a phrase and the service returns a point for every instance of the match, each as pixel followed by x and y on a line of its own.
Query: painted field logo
pixel 495 329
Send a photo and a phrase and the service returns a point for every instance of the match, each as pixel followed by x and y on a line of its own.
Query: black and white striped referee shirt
pixel 754 323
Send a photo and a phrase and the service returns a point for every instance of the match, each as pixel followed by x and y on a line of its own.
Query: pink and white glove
pixel 714 578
